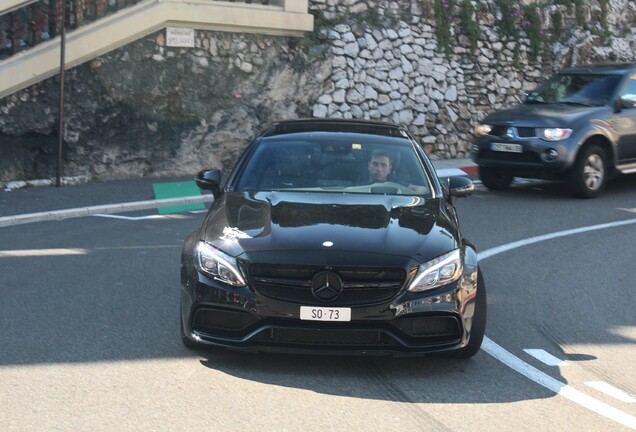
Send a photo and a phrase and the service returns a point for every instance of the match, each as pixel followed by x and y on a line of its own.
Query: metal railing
pixel 26 23
pixel 41 20
pixel 98 30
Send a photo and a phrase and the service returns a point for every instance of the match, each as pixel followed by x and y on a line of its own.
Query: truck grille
pixel 521 132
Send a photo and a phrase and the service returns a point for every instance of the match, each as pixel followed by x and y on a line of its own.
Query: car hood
pixel 543 115
pixel 313 224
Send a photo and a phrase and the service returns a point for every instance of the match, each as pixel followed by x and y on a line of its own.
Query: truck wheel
pixel 493 178
pixel 587 177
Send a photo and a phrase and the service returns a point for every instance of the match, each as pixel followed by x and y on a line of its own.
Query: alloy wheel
pixel 594 171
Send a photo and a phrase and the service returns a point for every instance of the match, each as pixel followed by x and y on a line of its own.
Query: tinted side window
pixel 629 92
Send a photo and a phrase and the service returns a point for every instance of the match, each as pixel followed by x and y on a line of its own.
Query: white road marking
pixel 533 373
pixel 610 390
pixel 545 357
pixel 557 386
pixel 525 242
pixel 137 218
pixel 41 252
pixel 130 218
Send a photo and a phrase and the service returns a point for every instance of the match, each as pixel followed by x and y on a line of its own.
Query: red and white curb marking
pixel 455 172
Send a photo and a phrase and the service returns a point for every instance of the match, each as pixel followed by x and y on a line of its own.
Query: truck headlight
pixel 556 134
pixel 482 129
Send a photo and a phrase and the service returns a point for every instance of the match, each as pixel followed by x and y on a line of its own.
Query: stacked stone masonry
pixel 149 109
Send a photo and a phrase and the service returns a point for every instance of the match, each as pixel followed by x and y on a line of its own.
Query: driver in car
pixel 380 167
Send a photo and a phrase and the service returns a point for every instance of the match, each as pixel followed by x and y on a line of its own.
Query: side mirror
pixel 459 187
pixel 210 180
pixel 626 103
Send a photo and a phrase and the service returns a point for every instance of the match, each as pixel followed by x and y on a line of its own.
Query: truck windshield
pixel 576 89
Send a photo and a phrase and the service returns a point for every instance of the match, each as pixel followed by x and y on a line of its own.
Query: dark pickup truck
pixel 579 126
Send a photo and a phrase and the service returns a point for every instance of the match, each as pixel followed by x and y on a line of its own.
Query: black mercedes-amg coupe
pixel 335 237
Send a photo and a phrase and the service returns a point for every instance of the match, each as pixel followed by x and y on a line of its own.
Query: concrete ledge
pixel 43 61
pixel 7 6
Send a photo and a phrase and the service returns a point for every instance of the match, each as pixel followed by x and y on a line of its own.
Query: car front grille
pixel 521 132
pixel 360 285
pixel 525 132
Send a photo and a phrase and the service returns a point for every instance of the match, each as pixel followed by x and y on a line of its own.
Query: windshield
pixel 335 162
pixel 590 90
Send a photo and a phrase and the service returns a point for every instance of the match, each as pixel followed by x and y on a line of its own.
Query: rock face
pixel 149 109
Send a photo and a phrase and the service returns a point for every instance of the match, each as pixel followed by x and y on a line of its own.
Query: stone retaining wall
pixel 148 109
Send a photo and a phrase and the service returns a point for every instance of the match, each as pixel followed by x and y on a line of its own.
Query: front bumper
pixel 535 160
pixel 412 323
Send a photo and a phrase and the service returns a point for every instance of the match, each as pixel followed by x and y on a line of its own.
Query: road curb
pixel 106 208
pixel 461 171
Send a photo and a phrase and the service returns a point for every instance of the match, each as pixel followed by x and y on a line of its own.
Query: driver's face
pixel 379 168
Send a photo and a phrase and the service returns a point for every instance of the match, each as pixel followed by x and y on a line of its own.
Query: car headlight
pixel 556 134
pixel 438 272
pixel 218 265
pixel 482 129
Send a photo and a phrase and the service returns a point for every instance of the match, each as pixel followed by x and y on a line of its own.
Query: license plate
pixel 313 313
pixel 506 147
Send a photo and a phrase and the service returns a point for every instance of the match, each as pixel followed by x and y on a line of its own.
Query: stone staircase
pixel 30 42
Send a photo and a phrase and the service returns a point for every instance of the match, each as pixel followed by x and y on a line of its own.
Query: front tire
pixel 493 179
pixel 588 176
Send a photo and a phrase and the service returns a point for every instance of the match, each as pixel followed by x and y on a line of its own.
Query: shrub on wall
pixel 557 24
pixel 469 24
pixel 532 22
pixel 444 20
pixel 510 11
pixel 604 24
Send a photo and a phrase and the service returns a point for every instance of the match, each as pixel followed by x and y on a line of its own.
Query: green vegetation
pixel 469 24
pixel 557 24
pixel 604 24
pixel 533 29
pixel 580 13
pixel 510 11
pixel 459 17
pixel 443 17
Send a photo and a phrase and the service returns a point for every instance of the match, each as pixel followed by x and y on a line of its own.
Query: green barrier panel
pixel 177 190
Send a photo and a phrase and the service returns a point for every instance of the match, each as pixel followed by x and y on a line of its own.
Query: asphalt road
pixel 89 336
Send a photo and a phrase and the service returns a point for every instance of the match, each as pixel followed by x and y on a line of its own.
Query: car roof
pixel 335 125
pixel 602 69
